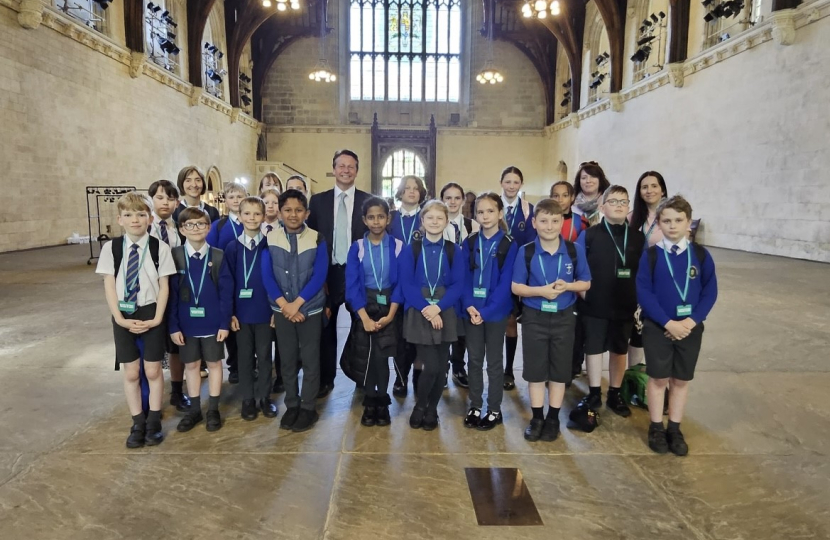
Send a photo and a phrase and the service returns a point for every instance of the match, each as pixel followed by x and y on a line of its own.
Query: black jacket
pixel 321 217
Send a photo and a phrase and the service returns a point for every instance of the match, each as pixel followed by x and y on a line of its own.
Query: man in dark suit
pixel 337 215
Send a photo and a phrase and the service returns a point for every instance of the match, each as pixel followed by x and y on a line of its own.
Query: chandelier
pixel 322 72
pixel 282 5
pixel 539 9
pixel 489 74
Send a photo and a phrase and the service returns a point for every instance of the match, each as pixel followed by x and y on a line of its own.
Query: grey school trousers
pixel 300 340
pixel 489 337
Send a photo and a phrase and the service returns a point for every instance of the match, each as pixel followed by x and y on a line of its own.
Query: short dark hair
pixel 592 168
pixel 514 170
pixel 567 185
pixel 678 204
pixel 293 194
pixel 183 174
pixel 169 188
pixel 192 212
pixel 549 206
pixel 375 201
pixel 614 188
pixel 296 177
pixel 452 185
pixel 345 152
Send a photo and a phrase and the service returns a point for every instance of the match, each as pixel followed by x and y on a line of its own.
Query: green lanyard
pixel 426 271
pixel 372 261
pixel 685 291
pixel 542 266
pixel 196 295
pixel 127 286
pixel 245 269
pixel 625 240
pixel 407 238
pixel 481 257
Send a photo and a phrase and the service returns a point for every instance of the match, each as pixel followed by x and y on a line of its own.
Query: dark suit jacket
pixel 321 217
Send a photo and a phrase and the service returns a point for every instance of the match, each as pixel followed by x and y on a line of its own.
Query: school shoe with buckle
pixel 657 439
pixel 180 401
pixel 136 438
pixel 550 430
pixel 534 431
pixel 617 404
pixel 269 410
pixel 473 418
pixel 460 379
pixel 189 421
pixel 677 443
pixel 213 421
pixel 490 421
pixel 249 410
pixel 289 418
pixel 305 420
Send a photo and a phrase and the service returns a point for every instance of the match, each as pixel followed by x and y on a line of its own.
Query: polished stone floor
pixel 758 425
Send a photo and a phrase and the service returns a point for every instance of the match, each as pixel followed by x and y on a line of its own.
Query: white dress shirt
pixel 148 277
pixel 449 232
pixel 172 230
pixel 666 244
pixel 349 210
pixel 245 240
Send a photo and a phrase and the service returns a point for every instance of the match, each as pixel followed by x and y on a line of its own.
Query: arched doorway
pixel 562 171
pixel 213 193
pixel 400 163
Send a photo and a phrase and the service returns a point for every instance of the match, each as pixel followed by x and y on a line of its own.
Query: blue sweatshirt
pixel 556 266
pixel 521 226
pixel 221 238
pixel 499 300
pixel 359 276
pixel 413 279
pixel 215 299
pixel 658 295
pixel 403 227
pixel 296 249
pixel 253 309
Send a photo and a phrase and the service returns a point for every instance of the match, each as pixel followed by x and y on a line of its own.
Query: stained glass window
pixel 405 50
pixel 401 163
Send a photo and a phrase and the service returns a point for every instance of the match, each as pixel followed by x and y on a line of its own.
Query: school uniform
pixel 431 278
pixel 212 213
pixel 137 290
pixel 680 287
pixel 487 289
pixel 242 274
pixel 266 228
pixel 607 311
pixel 519 218
pixel 457 231
pixel 548 326
pixel 372 284
pixel 224 231
pixel 295 265
pixel 199 307
pixel 165 230
pixel 404 227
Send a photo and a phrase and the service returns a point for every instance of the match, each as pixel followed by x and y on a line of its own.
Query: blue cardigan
pixel 412 279
pixel 499 301
pixel 256 309
pixel 356 275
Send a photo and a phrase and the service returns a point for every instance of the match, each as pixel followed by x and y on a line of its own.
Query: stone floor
pixel 758 424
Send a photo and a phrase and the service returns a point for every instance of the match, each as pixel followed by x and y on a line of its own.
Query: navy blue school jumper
pixel 372 284
pixel 242 273
pixel 520 224
pixel 487 288
pixel 405 228
pixel 660 295
pixel 445 288
pixel 220 239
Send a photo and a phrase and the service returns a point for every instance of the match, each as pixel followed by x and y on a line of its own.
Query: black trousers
pixel 300 341
pixel 233 356
pixel 434 376
pixel 459 348
pixel 376 383
pixel 336 281
pixel 579 345
pixel 251 340
pixel 405 356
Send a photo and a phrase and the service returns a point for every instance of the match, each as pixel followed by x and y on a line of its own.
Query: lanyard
pixel 233 226
pixel 688 269
pixel 573 223
pixel 426 271
pixel 513 217
pixel 648 233
pixel 127 286
pixel 625 240
pixel 407 238
pixel 245 269
pixel 542 266
pixel 481 257
pixel 378 282
pixel 196 295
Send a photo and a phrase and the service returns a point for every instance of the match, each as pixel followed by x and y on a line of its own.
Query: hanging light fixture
pixel 538 9
pixel 283 5
pixel 322 72
pixel 489 74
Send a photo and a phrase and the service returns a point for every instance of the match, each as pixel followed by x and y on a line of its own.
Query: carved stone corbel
pixel 137 61
pixel 783 26
pixel 235 114
pixel 676 74
pixel 574 116
pixel 30 14
pixel 195 95
pixel 616 101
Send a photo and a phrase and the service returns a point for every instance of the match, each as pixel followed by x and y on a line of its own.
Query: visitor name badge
pixel 480 292
pixel 623 272
pixel 381 299
pixel 126 307
pixel 197 312
pixel 550 307
pixel 246 293
pixel 432 301
pixel 684 310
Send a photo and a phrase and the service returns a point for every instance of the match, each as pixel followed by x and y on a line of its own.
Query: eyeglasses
pixel 617 202
pixel 199 226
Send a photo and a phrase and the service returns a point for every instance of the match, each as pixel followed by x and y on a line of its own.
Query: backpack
pixel 361 248
pixel 530 251
pixel 501 251
pixel 633 388
pixel 700 253
pixel 418 245
pixel 118 252
pixel 215 256
pixel 221 222
pixel 468 225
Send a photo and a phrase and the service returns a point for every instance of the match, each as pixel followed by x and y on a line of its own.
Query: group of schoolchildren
pixel 581 273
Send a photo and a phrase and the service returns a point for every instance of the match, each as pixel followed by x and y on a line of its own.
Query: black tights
pixel 434 376
pixel 377 372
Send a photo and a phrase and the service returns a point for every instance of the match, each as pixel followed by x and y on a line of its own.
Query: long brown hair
pixel 495 199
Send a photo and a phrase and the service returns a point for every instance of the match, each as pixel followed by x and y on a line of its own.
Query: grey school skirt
pixel 418 331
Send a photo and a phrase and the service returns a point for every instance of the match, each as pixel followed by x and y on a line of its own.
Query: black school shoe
pixel 473 418
pixel 180 401
pixel 550 430
pixel 154 435
pixel 279 386
pixel 657 439
pixel 325 390
pixel 416 419
pixel 460 379
pixel 677 443
pixel 305 420
pixel 490 421
pixel 289 418
pixel 136 438
pixel 399 389
pixel 249 410
pixel 383 418
pixel 509 382
pixel 617 404
pixel 269 410
pixel 189 421
pixel 213 421
pixel 591 402
pixel 370 416
pixel 233 376
pixel 534 431
pixel 430 421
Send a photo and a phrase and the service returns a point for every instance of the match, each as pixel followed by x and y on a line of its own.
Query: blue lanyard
pixel 245 264
pixel 542 266
pixel 625 240
pixel 482 258
pixel 685 290
pixel 233 226
pixel 408 238
pixel 127 287
pixel 196 295
pixel 372 261
pixel 426 271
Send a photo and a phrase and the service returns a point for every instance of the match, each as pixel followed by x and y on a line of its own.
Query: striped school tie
pixel 510 211
pixel 163 232
pixel 457 232
pixel 253 245
pixel 132 274
pixel 675 249
pixel 268 229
